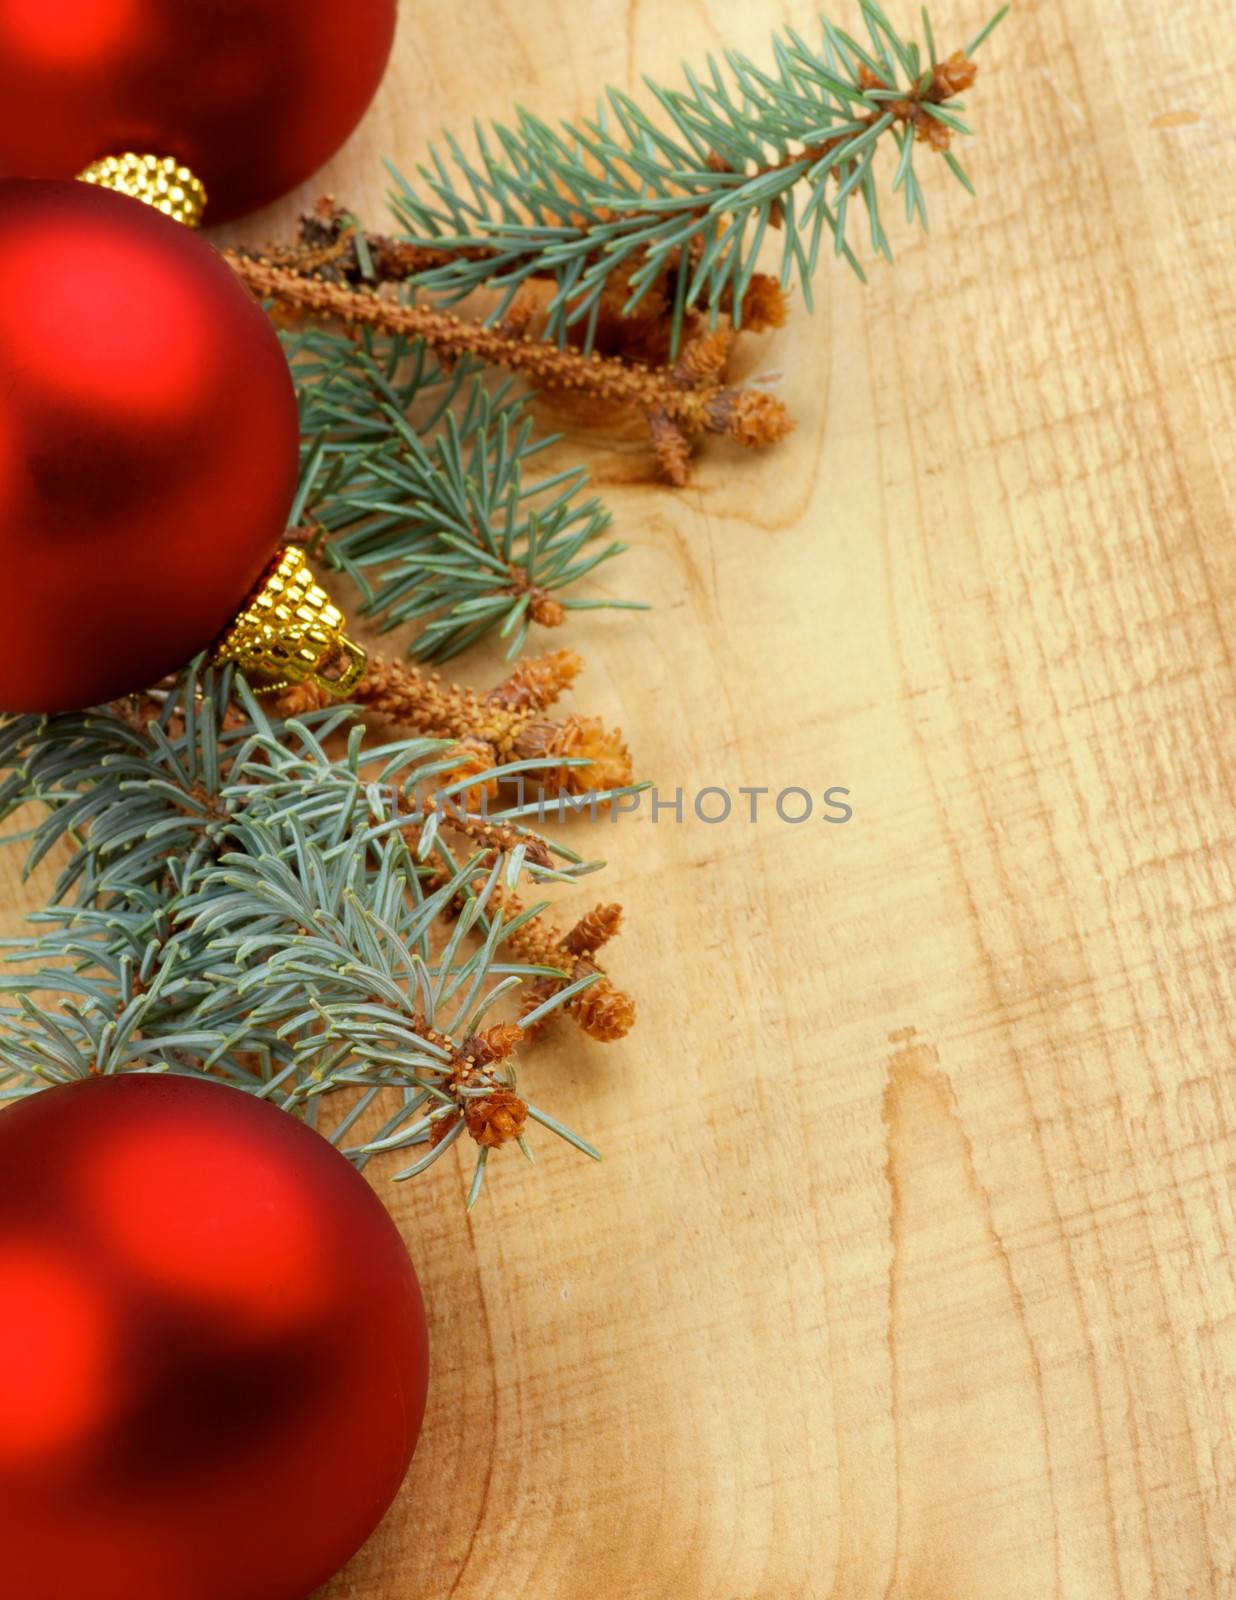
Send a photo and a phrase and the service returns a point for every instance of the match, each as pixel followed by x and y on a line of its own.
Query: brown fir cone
pixel 544 610
pixel 752 417
pixel 609 760
pixel 671 447
pixel 495 1119
pixel 602 1011
pixel 473 757
pixel 608 1015
pixel 594 928
pixel 704 357
pixel 537 682
pixel 499 1115
pixel 538 943
pixel 948 78
pixel 952 77
pixel 495 1043
pixel 764 305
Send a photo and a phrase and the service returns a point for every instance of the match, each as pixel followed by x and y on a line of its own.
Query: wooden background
pixel 909 1269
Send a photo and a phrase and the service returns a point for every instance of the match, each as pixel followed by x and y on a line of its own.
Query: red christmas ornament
pixel 252 95
pixel 148 444
pixel 212 1347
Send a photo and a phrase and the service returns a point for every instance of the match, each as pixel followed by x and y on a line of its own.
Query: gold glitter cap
pixel 292 632
pixel 159 181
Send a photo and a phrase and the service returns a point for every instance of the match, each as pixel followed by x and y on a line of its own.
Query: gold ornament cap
pixel 159 181
pixel 291 631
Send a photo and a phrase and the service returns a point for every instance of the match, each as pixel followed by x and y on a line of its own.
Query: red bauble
pixel 212 1347
pixel 148 445
pixel 253 95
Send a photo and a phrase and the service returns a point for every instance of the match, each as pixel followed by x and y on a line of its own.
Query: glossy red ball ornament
pixel 212 1347
pixel 148 445
pixel 253 95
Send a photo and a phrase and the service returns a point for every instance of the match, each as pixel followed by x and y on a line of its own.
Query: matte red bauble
pixel 253 95
pixel 212 1347
pixel 148 445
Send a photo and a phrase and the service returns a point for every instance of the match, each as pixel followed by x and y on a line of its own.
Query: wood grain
pixel 909 1269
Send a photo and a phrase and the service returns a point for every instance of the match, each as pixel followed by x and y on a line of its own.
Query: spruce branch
pixel 419 483
pixel 678 200
pixel 238 901
pixel 610 248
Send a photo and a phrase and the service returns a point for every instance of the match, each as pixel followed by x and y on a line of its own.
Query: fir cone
pixel 609 760
pixel 602 1011
pixel 494 1119
pixel 594 928
pixel 537 683
pixel 492 1044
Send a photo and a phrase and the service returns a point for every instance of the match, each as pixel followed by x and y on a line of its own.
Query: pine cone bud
pixel 496 1118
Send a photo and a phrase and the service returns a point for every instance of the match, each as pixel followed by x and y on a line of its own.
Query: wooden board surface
pixel 909 1269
